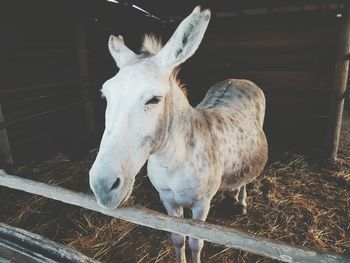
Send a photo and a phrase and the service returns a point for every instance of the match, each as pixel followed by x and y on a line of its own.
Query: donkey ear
pixel 185 40
pixel 119 51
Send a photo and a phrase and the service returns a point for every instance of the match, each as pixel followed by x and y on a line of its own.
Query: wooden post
pixel 5 149
pixel 84 69
pixel 339 86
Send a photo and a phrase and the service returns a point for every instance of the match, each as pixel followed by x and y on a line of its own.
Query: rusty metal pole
pixel 339 85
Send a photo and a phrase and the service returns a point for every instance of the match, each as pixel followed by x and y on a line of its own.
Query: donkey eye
pixel 153 100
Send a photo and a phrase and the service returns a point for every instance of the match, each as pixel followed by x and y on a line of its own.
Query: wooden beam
pixel 83 68
pixel 5 149
pixel 339 86
pixel 218 234
pixel 4 125
pixel 73 83
pixel 23 246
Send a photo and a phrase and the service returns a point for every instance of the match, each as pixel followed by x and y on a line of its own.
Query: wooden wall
pixel 40 92
pixel 290 56
pixel 49 80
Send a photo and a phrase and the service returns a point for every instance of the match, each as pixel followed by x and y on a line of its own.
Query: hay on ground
pixel 295 200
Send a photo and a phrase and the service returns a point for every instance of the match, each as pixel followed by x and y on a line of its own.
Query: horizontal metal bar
pixel 139 215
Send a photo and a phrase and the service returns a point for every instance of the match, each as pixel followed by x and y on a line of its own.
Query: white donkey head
pixel 137 113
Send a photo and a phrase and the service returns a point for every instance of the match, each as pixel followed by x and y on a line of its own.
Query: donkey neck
pixel 179 129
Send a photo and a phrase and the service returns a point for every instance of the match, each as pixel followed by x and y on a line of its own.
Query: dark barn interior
pixel 56 59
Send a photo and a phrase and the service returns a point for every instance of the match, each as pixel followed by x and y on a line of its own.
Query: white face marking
pixel 135 103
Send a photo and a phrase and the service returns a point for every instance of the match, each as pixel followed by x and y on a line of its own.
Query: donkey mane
pixel 151 45
pixel 176 82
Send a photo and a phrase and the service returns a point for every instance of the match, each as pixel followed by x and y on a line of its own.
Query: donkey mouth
pixel 106 202
pixel 112 201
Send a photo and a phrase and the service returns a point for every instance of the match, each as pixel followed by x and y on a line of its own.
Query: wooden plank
pixel 5 149
pixel 339 86
pixel 46 145
pixel 39 114
pixel 297 103
pixel 28 247
pixel 32 105
pixel 55 85
pixel 269 38
pixel 275 23
pixel 48 53
pixel 66 122
pixel 4 260
pixel 296 134
pixel 266 80
pixel 272 3
pixel 167 9
pixel 142 216
pixel 20 255
pixel 247 61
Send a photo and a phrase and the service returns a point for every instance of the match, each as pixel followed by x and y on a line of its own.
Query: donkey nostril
pixel 116 184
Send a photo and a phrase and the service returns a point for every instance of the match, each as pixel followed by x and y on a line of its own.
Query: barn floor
pixel 296 200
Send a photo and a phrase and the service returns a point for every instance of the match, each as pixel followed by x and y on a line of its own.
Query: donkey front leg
pixel 199 212
pixel 177 239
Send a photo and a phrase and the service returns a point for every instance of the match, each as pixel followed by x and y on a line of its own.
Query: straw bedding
pixel 295 200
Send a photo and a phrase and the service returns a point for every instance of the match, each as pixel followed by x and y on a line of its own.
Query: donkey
pixel 192 152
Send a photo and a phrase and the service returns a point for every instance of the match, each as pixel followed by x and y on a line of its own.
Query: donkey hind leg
pixel 177 239
pixel 242 196
pixel 199 212
pixel 236 196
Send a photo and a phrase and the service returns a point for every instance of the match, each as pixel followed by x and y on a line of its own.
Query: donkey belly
pixel 183 185
pixel 246 162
